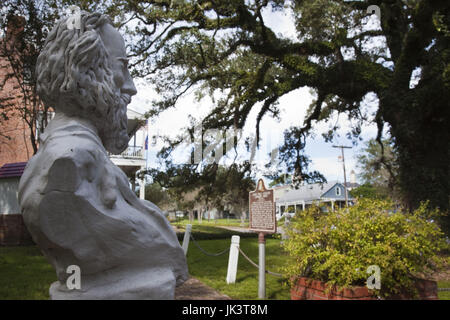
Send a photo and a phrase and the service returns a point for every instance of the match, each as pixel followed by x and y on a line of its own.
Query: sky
pixel 293 107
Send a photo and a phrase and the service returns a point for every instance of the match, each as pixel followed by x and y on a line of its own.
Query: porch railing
pixel 130 153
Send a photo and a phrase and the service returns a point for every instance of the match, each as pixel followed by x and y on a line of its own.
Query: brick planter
pixel 308 289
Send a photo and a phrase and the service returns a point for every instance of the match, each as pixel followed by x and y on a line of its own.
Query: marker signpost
pixel 262 220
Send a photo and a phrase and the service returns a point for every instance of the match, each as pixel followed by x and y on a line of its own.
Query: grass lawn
pixel 213 270
pixel 208 232
pixel 212 222
pixel 25 274
pixel 444 295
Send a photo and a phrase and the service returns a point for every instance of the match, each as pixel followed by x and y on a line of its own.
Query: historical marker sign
pixel 262 210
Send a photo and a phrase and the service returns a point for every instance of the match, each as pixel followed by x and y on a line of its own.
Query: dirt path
pixel 193 289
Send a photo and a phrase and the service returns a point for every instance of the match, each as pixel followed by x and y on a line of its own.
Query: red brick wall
pixel 307 289
pixel 16 148
pixel 13 231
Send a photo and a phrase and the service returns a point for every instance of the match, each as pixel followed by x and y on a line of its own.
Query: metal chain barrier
pixel 207 253
pixel 228 249
pixel 257 266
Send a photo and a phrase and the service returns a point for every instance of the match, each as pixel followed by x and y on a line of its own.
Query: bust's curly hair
pixel 74 76
pixel 73 67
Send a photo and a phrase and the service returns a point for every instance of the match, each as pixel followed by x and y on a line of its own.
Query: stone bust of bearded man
pixel 76 203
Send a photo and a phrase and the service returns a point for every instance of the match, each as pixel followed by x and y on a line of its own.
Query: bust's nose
pixel 128 86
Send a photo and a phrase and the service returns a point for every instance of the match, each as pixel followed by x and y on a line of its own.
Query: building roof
pixel 308 192
pixel 286 186
pixel 352 185
pixel 133 114
pixel 11 170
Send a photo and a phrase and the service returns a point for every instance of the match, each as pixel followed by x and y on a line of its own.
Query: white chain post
pixel 233 260
pixel 187 236
pixel 262 266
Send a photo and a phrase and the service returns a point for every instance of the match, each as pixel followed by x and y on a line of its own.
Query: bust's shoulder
pixel 78 150
pixel 69 148
pixel 73 141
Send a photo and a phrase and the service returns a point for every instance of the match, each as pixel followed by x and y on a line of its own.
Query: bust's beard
pixel 113 125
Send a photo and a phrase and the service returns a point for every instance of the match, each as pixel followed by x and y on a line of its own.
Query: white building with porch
pixel 288 199
pixel 133 158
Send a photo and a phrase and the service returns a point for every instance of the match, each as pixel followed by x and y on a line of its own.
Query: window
pixel 338 191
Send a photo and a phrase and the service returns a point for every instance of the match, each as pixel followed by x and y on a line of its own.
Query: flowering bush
pixel 338 247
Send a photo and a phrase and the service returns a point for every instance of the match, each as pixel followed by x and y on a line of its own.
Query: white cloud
pixel 281 22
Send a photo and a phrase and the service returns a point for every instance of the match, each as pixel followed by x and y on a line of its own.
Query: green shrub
pixel 338 247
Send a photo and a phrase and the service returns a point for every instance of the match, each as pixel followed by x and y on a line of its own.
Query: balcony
pixel 130 160
pixel 132 152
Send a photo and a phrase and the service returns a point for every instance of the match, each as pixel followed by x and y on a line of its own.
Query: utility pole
pixel 345 177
